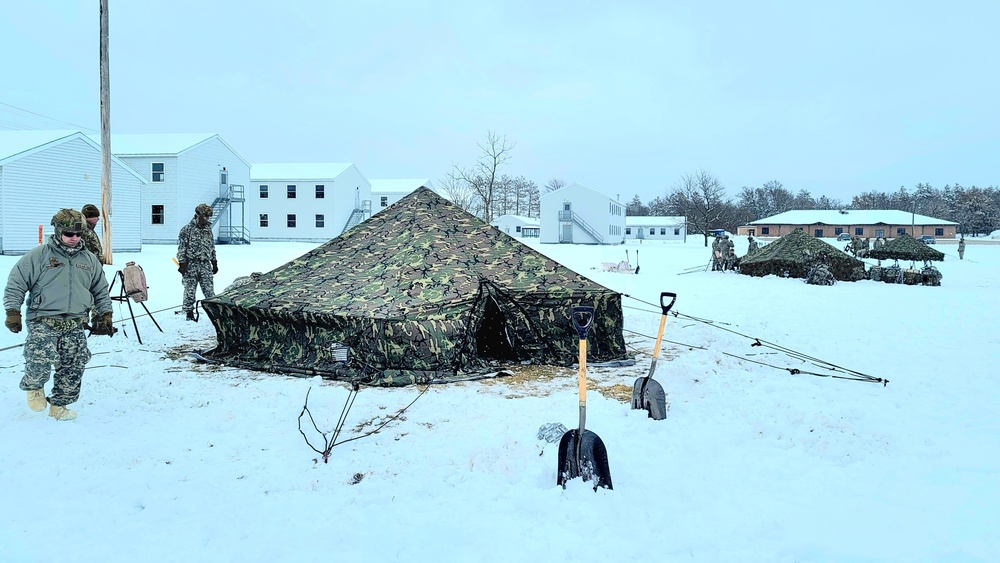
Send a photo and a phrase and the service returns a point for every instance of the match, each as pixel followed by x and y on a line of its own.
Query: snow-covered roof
pixel 17 144
pixel 154 143
pixel 577 186
pixel 655 221
pixel 528 221
pixel 298 171
pixel 398 186
pixel 849 217
pixel 14 143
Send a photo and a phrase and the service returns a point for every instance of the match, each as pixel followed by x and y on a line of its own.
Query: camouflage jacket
pixel 93 243
pixel 196 243
pixel 59 283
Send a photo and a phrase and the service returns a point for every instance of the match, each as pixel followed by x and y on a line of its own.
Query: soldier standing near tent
pixel 717 253
pixel 751 244
pixel 196 258
pixel 62 282
pixel 90 238
pixel 961 248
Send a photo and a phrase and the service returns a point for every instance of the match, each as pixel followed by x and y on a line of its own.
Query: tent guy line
pixel 852 375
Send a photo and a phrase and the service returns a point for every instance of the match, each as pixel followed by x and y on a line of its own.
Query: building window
pixel 677 232
pixel 223 177
pixel 263 191
pixel 383 201
pixel 263 220
pixel 652 231
pixel 879 233
pixel 765 230
pixel 157 215
pixel 320 191
pixel 900 231
pixel 517 229
pixel 628 230
pixel 157 172
pixel 290 191
pixel 320 221
pixel 290 220
pixel 838 230
pixel 859 231
pixel 939 232
pixel 818 233
pixel 663 230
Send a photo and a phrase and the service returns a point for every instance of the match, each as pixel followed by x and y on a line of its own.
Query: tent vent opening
pixel 493 338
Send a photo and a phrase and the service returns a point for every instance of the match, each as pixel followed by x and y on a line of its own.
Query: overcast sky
pixel 836 98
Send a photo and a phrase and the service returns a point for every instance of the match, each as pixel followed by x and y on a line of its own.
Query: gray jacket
pixel 58 283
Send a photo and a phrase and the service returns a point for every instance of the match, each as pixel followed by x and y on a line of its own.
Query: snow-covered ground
pixel 171 460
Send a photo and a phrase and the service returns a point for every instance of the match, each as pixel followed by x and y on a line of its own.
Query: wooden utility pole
pixel 105 136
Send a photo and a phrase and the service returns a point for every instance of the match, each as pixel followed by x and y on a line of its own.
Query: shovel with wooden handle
pixel 647 393
pixel 581 452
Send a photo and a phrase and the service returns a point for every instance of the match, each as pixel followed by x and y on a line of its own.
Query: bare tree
pixel 460 194
pixel 484 177
pixel 700 196
pixel 554 184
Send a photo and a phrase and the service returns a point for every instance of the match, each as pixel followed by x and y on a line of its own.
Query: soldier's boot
pixel 36 400
pixel 61 413
pixel 190 316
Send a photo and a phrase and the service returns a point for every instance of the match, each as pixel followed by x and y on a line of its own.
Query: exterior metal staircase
pixel 360 213
pixel 232 233
pixel 569 216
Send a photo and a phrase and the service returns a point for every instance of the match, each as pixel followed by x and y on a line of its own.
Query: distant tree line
pixel 701 198
pixel 484 190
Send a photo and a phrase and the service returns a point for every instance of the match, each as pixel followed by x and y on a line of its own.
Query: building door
pixel 566 233
pixel 818 233
pixel 879 232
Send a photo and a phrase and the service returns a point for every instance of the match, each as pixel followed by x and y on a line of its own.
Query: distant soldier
pixel 961 248
pixel 879 243
pixel 196 259
pixel 92 214
pixel 728 252
pixel 717 253
pixel 751 244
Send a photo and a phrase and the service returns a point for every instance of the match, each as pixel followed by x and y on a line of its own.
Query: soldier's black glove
pixel 103 326
pixel 182 268
pixel 215 267
pixel 13 321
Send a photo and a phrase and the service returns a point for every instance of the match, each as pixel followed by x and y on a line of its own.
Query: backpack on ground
pixel 135 282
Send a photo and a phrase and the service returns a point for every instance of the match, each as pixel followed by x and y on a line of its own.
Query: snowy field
pixel 172 460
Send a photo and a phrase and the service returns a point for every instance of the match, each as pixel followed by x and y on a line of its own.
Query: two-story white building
pixel 42 172
pixel 517 226
pixel 306 202
pixel 387 192
pixel 182 171
pixel 577 214
pixel 656 227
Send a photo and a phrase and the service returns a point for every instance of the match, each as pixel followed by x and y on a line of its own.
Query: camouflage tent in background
pixel 421 292
pixel 905 247
pixel 795 254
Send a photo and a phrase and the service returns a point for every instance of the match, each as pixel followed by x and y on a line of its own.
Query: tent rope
pixel 849 374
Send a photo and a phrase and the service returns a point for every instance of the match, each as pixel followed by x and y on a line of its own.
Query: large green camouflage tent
pixel 794 254
pixel 905 247
pixel 421 292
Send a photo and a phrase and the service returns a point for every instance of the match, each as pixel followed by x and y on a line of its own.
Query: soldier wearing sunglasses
pixel 62 282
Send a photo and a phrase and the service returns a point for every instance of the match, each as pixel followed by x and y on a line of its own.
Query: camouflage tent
pixel 905 247
pixel 795 254
pixel 421 292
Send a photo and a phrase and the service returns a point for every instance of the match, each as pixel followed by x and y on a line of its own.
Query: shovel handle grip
pixel 666 307
pixel 582 327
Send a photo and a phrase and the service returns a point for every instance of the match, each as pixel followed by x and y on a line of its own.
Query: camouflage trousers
pixel 198 272
pixel 59 344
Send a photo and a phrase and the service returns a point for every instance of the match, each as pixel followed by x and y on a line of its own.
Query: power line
pixel 49 118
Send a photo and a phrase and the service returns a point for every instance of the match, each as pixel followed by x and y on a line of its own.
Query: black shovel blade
pixel 584 457
pixel 647 393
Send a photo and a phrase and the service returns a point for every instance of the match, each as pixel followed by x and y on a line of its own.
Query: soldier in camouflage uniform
pixel 62 282
pixel 196 258
pixel 961 248
pixel 717 253
pixel 90 238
